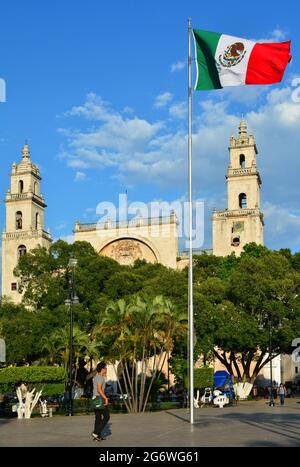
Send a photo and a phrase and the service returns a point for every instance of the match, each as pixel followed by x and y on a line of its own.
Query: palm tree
pixel 115 331
pixel 140 335
pixel 57 346
pixel 52 349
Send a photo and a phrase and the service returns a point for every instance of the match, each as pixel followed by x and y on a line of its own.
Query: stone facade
pixel 242 222
pixel 24 229
pixel 290 369
pixel 154 240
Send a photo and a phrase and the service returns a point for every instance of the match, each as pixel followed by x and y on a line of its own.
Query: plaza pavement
pixel 251 423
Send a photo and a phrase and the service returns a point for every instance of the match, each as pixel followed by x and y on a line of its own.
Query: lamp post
pixel 271 402
pixel 69 302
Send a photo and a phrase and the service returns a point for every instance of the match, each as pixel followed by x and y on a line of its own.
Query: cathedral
pixel 154 240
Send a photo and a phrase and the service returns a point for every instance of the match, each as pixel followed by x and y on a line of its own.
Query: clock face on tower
pixel 238 227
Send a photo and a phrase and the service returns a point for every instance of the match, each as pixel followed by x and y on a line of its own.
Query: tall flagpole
pixel 190 287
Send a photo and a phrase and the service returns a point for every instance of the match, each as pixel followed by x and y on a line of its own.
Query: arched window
pixel 235 241
pixel 18 220
pixel 21 186
pixel 22 250
pixel 35 188
pixel 37 221
pixel 242 200
pixel 242 161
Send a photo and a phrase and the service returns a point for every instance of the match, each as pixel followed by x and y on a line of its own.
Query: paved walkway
pixel 247 424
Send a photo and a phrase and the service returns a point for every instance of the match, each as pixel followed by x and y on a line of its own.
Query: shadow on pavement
pixel 284 424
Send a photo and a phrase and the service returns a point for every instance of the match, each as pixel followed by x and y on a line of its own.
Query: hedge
pixel 51 389
pixel 12 376
pixel 203 377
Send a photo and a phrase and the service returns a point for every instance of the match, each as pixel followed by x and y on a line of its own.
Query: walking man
pixel 100 402
pixel 282 393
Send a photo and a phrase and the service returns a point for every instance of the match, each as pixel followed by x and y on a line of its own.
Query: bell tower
pixel 242 222
pixel 24 229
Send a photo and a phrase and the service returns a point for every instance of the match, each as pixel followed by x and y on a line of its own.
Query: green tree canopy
pixel 233 314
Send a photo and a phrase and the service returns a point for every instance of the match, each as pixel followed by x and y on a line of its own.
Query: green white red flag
pixel 224 60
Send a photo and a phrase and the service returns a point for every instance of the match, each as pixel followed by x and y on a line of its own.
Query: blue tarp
pixel 223 381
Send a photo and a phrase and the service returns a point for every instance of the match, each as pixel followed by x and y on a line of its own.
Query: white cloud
pixel 77 163
pixel 276 35
pixel 90 214
pixel 283 227
pixel 66 238
pixel 61 226
pixel 95 108
pixel 116 134
pixel 163 99
pixel 250 97
pixel 80 176
pixel 140 152
pixel 90 210
pixel 113 140
pixel 177 66
pixel 178 110
pixel 127 110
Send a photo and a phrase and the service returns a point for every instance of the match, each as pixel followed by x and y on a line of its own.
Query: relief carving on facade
pixel 127 251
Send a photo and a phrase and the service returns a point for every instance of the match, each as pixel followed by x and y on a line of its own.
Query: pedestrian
pixel 100 402
pixel 282 393
pixel 255 392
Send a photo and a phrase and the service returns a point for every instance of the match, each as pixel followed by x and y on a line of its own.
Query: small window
pixel 235 241
pixel 35 188
pixel 21 186
pixel 242 200
pixel 13 286
pixel 22 250
pixel 242 161
pixel 37 221
pixel 296 369
pixel 18 220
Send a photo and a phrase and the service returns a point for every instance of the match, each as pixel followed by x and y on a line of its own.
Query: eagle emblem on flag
pixel 232 55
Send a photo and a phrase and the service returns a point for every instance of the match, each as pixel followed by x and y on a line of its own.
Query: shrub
pixel 51 389
pixel 31 375
pixel 203 377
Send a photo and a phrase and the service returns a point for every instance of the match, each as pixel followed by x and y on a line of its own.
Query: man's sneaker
pixel 95 436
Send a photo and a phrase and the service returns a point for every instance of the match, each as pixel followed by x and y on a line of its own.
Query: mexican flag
pixel 224 60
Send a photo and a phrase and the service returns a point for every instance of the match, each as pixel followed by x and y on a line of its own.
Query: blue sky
pixel 99 90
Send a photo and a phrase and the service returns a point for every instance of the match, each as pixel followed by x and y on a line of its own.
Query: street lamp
pixel 69 302
pixel 271 402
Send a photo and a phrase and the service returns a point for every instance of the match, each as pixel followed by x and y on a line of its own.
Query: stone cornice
pixel 219 215
pixel 24 197
pixel 140 222
pixel 243 172
pixel 26 235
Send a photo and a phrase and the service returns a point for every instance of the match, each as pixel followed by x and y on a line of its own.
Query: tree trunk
pixel 242 389
pixel 27 402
